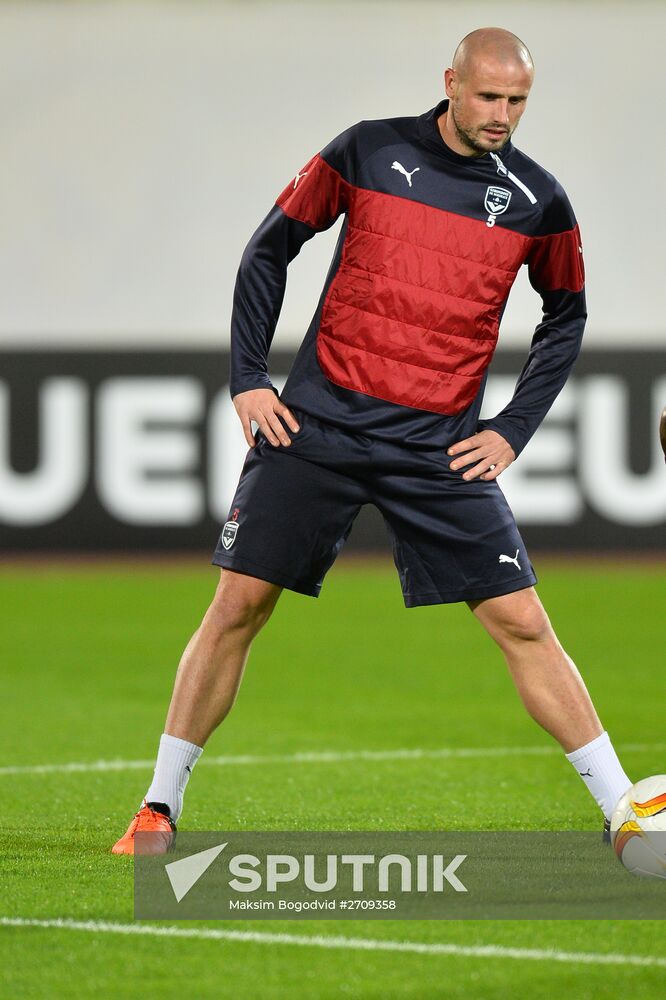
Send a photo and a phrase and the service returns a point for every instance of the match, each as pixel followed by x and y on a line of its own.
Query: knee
pixel 241 604
pixel 529 624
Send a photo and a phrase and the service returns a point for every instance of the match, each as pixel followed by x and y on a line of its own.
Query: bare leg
pixel 547 679
pixel 207 680
pixel 212 665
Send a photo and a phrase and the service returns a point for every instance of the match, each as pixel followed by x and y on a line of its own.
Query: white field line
pixel 316 757
pixel 350 943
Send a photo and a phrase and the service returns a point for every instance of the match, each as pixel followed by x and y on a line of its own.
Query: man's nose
pixel 502 112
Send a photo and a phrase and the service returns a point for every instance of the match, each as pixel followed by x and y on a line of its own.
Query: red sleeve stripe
pixel 556 262
pixel 316 196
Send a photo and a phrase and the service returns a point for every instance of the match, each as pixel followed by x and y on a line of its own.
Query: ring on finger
pixel 491 468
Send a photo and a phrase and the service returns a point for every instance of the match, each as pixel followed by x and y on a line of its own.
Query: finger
pixel 469 458
pixel 465 445
pixel 267 430
pixel 478 470
pixel 278 429
pixel 493 472
pixel 288 417
pixel 247 431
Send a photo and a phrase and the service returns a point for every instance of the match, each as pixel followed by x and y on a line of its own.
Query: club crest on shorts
pixel 229 532
pixel 497 200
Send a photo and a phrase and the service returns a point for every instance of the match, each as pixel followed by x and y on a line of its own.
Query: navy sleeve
pixel 258 296
pixel 310 203
pixel 556 271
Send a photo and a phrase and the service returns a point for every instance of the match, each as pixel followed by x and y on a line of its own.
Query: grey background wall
pixel 143 142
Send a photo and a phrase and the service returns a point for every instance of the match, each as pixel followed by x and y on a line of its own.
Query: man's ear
pixel 449 82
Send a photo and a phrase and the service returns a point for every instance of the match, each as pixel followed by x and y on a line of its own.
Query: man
pixel 382 403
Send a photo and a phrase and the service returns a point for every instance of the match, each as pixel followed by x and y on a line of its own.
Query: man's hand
pixel 488 449
pixel 264 407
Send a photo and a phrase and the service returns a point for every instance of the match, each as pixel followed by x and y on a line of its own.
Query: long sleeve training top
pixel 409 314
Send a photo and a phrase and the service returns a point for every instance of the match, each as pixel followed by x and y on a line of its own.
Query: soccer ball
pixel 638 827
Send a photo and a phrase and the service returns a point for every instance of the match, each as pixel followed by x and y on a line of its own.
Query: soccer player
pixel 382 403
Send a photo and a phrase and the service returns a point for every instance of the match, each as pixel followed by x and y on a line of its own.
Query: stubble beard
pixel 471 142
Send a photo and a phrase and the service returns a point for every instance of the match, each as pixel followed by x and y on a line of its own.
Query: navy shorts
pixel 294 508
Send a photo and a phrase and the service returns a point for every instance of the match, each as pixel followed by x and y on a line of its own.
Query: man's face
pixel 486 103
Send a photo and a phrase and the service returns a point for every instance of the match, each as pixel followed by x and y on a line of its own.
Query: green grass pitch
pixel 88 655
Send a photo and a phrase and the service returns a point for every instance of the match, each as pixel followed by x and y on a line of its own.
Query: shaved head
pixel 487 86
pixel 494 44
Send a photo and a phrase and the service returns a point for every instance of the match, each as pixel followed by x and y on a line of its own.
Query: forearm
pixel 555 347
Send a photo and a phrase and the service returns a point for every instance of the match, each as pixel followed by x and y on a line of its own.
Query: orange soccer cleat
pixel 148 820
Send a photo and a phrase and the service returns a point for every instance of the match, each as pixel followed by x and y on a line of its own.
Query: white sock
pixel 600 769
pixel 175 761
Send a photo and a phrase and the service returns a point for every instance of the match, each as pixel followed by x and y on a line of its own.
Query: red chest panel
pixel 412 315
